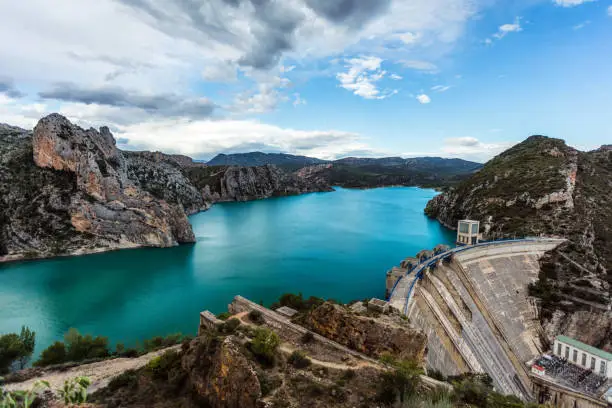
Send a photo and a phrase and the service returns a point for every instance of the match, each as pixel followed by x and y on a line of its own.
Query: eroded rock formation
pixel 373 337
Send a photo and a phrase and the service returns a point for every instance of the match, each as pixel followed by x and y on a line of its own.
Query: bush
pixel 264 344
pixel 230 326
pixel 16 348
pixel 299 360
pixel 127 379
pixel 79 347
pixel 74 391
pixel 307 337
pixel 348 375
pixel 256 317
pixel 160 366
pixel 224 315
pixel 54 354
pixel 400 383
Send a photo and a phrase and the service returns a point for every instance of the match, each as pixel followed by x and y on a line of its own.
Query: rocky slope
pixel 543 186
pixel 66 190
pixel 233 183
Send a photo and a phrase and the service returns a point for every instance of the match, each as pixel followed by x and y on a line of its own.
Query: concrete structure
pixel 286 311
pixel 473 304
pixel 208 321
pixel 378 305
pixel 468 232
pixel 583 355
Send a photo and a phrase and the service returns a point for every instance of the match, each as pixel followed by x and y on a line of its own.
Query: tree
pixel 265 343
pixel 28 342
pixel 54 354
pixel 16 348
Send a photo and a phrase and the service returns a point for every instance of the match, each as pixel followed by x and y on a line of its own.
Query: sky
pixel 323 78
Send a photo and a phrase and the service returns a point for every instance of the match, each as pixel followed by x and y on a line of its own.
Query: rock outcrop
pixel 544 187
pixel 67 190
pixel 220 374
pixel 233 183
pixel 371 336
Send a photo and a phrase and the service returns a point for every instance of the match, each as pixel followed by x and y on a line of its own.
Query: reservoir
pixel 333 245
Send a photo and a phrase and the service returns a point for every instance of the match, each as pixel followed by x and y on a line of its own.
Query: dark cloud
pixel 8 88
pixel 160 104
pixel 349 12
pixel 272 24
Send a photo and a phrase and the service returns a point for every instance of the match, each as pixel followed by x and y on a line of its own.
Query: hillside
pixel 358 172
pixel 261 159
pixel 542 186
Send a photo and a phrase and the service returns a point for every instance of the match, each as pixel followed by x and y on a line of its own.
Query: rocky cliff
pixel 375 337
pixel 66 190
pixel 544 187
pixel 233 183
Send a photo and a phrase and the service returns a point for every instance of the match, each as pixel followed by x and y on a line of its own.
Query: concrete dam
pixel 472 303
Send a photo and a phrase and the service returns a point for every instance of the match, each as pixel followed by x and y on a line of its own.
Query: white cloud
pixel 423 99
pixel 610 11
pixel 419 65
pixel 570 3
pixel 440 88
pixel 581 25
pixel 361 77
pixel 470 148
pixel 505 29
pixel 395 77
pixel 408 38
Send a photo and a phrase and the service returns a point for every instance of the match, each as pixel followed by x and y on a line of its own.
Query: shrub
pixel 224 315
pixel 265 343
pixel 400 383
pixel 54 354
pixel 256 317
pixel 127 379
pixel 348 375
pixel 161 365
pixel 16 348
pixel 299 360
pixel 229 326
pixel 79 347
pixel 307 337
pixel 74 391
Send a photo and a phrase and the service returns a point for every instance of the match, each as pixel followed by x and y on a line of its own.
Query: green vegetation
pixel 22 399
pixel 16 348
pixel 224 315
pixel 264 344
pixel 256 317
pixel 400 383
pixel 298 302
pixel 307 337
pixel 74 390
pixel 77 347
pixel 298 359
pixel 229 326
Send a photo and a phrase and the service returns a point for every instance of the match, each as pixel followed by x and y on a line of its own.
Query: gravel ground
pixel 99 373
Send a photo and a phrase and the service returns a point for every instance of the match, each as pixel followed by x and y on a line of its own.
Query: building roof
pixel 286 311
pixel 585 347
pixel 468 221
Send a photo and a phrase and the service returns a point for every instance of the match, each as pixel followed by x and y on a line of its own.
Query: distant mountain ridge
pixel 261 159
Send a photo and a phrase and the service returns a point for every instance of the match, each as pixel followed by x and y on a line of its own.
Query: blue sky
pixel 451 78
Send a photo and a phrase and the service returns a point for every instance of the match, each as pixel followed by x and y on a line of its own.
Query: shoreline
pixel 14 258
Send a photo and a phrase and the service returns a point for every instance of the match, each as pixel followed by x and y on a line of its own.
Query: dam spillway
pixel 473 304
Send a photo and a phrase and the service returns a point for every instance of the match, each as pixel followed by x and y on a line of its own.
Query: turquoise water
pixel 328 244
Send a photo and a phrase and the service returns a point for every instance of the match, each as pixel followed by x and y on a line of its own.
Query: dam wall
pixel 472 303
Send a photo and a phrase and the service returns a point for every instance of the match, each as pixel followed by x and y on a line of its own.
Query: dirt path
pixel 99 373
pixel 287 348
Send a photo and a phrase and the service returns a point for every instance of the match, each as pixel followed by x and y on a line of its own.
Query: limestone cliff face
pixel 163 176
pixel 233 183
pixel 542 186
pixel 77 187
pixel 371 336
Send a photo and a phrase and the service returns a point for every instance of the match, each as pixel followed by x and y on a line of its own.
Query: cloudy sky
pixel 326 78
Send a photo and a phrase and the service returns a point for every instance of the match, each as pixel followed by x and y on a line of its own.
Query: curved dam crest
pixel 474 307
